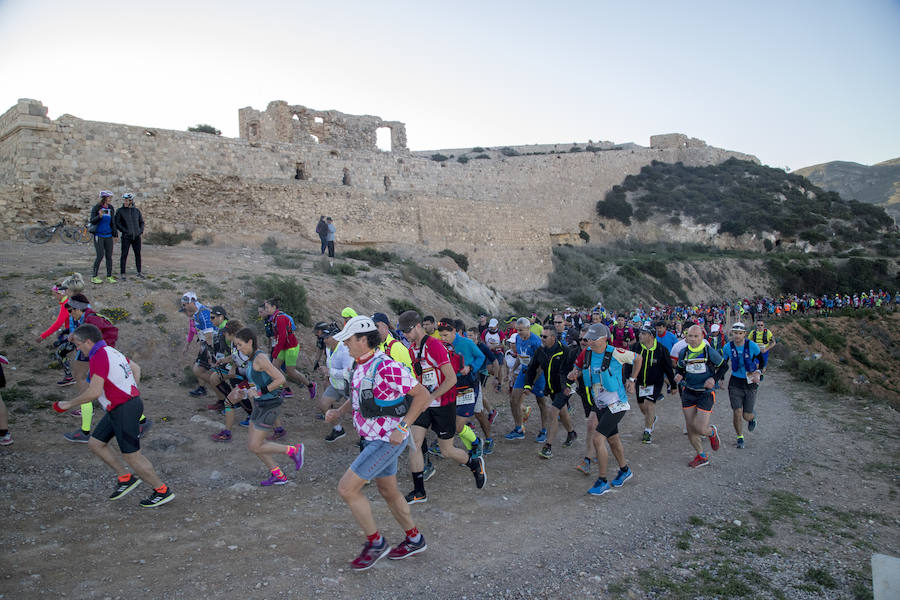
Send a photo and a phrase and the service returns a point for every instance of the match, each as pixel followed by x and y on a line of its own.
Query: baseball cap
pixel 189 297
pixel 348 313
pixel 408 320
pixel 715 328
pixel 739 327
pixel 358 324
pixel 380 317
pixel 493 323
pixel 648 329
pixel 596 331
pixel 218 310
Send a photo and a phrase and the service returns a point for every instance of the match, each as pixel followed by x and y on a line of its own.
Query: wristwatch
pixel 631 379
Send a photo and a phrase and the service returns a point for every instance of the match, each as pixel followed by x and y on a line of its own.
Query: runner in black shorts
pixel 656 367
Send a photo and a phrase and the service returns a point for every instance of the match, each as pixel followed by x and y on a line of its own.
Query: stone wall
pixel 504 213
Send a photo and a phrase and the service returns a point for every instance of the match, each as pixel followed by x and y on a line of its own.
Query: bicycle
pixel 43 233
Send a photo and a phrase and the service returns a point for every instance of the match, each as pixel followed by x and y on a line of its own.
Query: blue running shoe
pixel 751 425
pixel 245 422
pixel 623 476
pixel 600 487
pixel 516 434
pixel 477 448
pixel 488 446
pixel 541 437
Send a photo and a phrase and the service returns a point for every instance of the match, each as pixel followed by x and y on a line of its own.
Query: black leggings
pixel 104 247
pixel 134 243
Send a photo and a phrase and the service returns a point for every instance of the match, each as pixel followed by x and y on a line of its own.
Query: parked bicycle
pixel 43 233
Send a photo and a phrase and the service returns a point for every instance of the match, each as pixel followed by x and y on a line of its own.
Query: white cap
pixel 493 323
pixel 358 324
pixel 739 327
pixel 715 328
pixel 189 297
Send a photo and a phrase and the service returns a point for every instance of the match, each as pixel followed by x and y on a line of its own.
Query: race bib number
pixel 697 368
pixel 429 379
pixel 645 391
pixel 524 359
pixel 618 407
pixel 465 397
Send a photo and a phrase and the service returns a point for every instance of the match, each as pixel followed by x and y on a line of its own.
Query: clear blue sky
pixel 795 83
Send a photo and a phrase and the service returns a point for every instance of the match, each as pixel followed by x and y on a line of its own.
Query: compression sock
pixel 87 414
pixel 467 436
pixel 124 478
pixel 161 489
pixel 413 535
pixel 277 473
pixel 419 481
pixel 375 539
pixel 143 419
pixel 291 450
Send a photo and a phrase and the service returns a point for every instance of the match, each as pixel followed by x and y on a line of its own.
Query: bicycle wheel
pixel 84 236
pixel 39 235
pixel 70 235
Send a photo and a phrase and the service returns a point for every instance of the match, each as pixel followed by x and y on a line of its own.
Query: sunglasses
pixel 408 329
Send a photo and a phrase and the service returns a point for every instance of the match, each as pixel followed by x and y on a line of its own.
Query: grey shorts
pixel 743 398
pixel 332 393
pixel 263 416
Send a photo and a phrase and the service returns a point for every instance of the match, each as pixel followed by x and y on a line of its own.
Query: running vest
pixel 371 407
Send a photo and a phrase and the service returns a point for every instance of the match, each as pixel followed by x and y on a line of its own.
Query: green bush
pixel 477 149
pixel 162 238
pixel 482 156
pixel 291 294
pixel 461 260
pixel 614 207
pixel 203 128
pixel 400 306
pixel 584 235
pixel 344 269
pixel 462 160
pixel 507 151
pixel 376 258
pixel 114 314
pixel 438 157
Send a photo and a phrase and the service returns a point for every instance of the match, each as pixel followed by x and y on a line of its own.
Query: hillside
pixel 878 184
pixel 749 202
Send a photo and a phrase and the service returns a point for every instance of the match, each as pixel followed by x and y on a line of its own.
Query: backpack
pixel 290 318
pixel 110 332
pixel 371 407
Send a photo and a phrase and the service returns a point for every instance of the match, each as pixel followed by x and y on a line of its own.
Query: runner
pixel 698 369
pixel 286 348
pixel 745 361
pixel 468 388
pixel 763 338
pixel 378 379
pixel 622 335
pixel 656 366
pixel 114 380
pixel 601 375
pixel 338 363
pixel 265 382
pixel 552 360
pixel 203 326
pixel 432 368
pixel 526 345
pixel 494 339
pixel 74 284
pixel 233 384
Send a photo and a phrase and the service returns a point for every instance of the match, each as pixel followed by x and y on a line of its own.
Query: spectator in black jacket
pixel 130 223
pixel 555 361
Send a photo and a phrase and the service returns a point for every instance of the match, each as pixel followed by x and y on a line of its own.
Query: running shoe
pixel 646 437
pixel 516 434
pixel 313 389
pixel 584 467
pixel 623 476
pixel 298 456
pixel 277 434
pixel 699 461
pixel 740 443
pixel 287 393
pixel 493 414
pixel 144 427
pixel 541 437
pixel 429 471
pixel 156 499
pixel 525 414
pixel 67 380
pixel 478 472
pixel 123 487
pixel 216 406
pixel 141 276
pixel 335 435
pixel 435 449
pixel 96 280
pixel 6 440
pixel 122 277
pixel 477 448
pixel 545 452
pixel 488 446
pixel 272 480
pixel 600 487
pixel 75 412
pixel 245 422
pixel 714 438
pixel 407 548
pixel 570 439
pixel 415 497
pixel 751 425
pixel 222 436
pixel 653 426
pixel 200 391
pixel 370 555
pixel 111 279
pixel 77 436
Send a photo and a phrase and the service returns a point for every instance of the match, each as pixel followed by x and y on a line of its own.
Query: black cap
pixel 380 317
pixel 218 310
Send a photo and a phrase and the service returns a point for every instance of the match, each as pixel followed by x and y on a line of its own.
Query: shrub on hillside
pixel 461 260
pixel 374 257
pixel 401 305
pixel 507 151
pixel 291 294
pixel 439 157
pixel 163 238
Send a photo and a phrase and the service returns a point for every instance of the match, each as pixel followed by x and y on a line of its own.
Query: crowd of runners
pixel 399 382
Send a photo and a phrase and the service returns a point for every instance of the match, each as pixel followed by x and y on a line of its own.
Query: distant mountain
pixel 878 184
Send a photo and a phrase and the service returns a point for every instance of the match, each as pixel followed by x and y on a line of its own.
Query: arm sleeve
pixel 60 321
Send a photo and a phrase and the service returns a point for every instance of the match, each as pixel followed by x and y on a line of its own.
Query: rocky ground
pixel 797 514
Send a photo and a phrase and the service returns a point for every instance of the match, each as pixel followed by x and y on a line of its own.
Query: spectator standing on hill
pixel 330 240
pixel 130 223
pixel 322 232
pixel 102 219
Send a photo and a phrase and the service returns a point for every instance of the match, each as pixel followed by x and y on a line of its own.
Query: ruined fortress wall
pixel 505 213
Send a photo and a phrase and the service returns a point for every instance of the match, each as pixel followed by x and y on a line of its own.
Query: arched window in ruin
pixel 387 183
pixel 346 179
pixel 301 171
pixel 253 129
pixel 383 139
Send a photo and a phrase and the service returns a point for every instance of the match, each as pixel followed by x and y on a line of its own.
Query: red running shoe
pixel 407 548
pixel 370 555
pixel 714 438
pixel 699 461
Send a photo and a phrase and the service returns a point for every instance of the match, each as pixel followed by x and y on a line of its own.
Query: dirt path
pixel 531 533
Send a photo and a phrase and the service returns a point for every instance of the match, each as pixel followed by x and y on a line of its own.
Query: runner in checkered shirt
pixel 384 439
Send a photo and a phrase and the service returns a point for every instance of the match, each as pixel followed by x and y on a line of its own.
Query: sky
pixel 794 83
